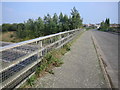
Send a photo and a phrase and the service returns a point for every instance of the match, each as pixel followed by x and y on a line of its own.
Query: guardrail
pixel 19 60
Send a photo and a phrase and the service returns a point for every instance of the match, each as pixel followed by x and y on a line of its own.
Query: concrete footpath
pixel 81 68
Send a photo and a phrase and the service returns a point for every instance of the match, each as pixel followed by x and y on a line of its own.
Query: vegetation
pixel 51 60
pixel 104 26
pixel 48 25
pixel 9 36
pixel 31 80
pixel 115 29
pixel 51 71
pixel 90 28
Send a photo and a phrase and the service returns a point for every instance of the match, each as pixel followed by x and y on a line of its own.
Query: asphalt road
pixel 108 43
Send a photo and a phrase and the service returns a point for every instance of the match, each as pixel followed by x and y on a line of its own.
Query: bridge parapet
pixel 20 59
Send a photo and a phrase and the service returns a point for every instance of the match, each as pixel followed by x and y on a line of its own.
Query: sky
pixel 91 12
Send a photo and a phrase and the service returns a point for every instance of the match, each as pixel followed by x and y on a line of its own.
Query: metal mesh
pixel 13 70
pixel 20 55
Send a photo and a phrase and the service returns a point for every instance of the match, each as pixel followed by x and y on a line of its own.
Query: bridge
pixel 19 60
pixel 81 68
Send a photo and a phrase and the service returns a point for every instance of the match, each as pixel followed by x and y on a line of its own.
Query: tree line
pixel 45 26
pixel 105 25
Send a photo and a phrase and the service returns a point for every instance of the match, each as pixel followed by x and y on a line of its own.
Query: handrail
pixel 33 47
pixel 22 59
pixel 30 41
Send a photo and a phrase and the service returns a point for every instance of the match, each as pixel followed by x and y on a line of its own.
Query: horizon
pixel 18 12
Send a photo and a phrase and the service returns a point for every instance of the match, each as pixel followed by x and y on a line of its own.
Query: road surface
pixel 108 43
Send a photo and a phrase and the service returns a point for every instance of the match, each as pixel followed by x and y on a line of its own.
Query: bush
pixel 48 56
pixel 31 80
pixel 67 47
pixel 40 68
pixel 51 71
pixel 11 36
pixel 58 62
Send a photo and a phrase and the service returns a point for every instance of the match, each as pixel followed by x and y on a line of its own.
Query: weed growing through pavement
pixel 50 60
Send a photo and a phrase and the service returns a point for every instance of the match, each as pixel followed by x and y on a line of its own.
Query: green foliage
pixel 114 29
pixel 65 23
pixel 67 47
pixel 57 62
pixel 31 80
pixel 50 58
pixel 51 71
pixel 76 20
pixel 5 27
pixel 104 26
pixel 90 28
pixel 40 68
pixel 46 26
pixel 0 28
pixel 9 27
pixel 11 35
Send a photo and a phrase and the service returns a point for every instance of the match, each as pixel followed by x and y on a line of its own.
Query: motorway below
pixel 108 44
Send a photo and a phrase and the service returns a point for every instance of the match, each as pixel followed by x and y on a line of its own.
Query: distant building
pixel 114 25
pixel 97 25
pixel 85 25
pixel 88 25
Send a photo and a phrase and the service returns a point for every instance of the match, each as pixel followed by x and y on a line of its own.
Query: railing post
pixel 34 48
pixel 41 48
pixel 67 36
pixel 60 37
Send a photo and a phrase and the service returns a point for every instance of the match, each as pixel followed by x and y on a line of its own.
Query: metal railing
pixel 19 60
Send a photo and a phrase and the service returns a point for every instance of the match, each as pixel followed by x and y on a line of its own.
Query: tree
pixel 6 27
pixel 76 20
pixel 65 23
pixel 70 23
pixel 55 23
pixel 20 31
pixel 104 26
pixel 52 26
pixel 55 18
pixel 40 25
pixel 107 22
pixel 48 25
pixel 47 20
pixel 0 28
pixel 13 27
pixel 60 22
pixel 29 29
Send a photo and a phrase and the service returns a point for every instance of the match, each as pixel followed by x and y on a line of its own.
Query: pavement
pixel 108 43
pixel 81 68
